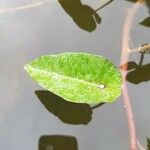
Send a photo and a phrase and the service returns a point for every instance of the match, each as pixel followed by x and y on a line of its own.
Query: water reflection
pixel 107 2
pixel 145 22
pixel 148 143
pixel 19 8
pixel 58 142
pixel 83 15
pixel 146 1
pixel 138 73
pixel 67 112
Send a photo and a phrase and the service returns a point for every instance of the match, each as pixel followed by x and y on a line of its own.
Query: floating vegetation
pixel 77 77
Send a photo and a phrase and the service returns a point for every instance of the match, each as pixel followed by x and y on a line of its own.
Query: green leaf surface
pixel 77 77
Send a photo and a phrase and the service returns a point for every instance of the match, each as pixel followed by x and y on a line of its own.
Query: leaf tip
pixel 26 67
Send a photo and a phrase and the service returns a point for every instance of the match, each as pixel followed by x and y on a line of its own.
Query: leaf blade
pixel 75 77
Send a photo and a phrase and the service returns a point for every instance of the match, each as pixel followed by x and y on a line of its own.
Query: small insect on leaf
pixel 77 77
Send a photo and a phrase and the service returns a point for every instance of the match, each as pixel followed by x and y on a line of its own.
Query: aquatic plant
pixel 126 50
pixel 77 77
pixel 35 69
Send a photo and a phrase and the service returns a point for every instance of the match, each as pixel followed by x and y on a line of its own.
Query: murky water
pixel 31 118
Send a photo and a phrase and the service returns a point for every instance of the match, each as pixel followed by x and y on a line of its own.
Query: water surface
pixel 27 120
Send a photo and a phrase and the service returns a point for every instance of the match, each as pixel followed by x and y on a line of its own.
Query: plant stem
pixel 140 49
pixel 103 5
pixel 141 59
pixel 124 58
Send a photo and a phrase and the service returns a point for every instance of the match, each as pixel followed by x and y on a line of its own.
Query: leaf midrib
pixel 29 67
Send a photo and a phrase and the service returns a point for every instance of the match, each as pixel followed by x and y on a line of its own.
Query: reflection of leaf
pixel 148 144
pixel 147 1
pixel 140 74
pixel 83 15
pixel 128 66
pixel 77 77
pixel 132 0
pixel 146 22
pixel 58 142
pixel 67 112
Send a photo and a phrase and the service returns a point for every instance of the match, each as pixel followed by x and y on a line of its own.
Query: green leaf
pixel 77 77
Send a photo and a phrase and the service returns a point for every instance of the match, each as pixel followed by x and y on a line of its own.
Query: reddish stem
pixel 124 58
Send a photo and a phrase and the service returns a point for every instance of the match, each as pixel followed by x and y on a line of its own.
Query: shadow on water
pixel 67 112
pixel 83 15
pixel 57 142
pixel 138 73
pixel 146 21
pixel 148 143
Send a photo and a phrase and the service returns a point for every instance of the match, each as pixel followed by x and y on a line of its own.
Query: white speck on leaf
pixel 101 86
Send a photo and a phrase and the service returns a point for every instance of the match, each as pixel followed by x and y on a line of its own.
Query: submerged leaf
pixel 77 77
